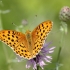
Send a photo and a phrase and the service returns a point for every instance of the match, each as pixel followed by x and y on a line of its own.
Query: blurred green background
pixel 15 11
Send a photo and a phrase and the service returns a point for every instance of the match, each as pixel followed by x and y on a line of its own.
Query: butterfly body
pixel 29 41
pixel 27 45
pixel 29 38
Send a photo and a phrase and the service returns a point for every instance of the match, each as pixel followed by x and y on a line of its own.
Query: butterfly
pixel 27 45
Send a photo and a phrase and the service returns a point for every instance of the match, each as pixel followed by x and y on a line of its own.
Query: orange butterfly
pixel 27 45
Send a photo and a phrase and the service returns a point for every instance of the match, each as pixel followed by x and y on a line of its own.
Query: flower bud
pixel 24 22
pixel 64 14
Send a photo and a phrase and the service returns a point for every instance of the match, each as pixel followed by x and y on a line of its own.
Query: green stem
pixel 60 48
pixel 59 54
pixel 4 48
pixel 37 68
pixel 1 27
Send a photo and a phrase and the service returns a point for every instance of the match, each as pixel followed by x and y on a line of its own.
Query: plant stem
pixel 60 48
pixel 4 48
pixel 37 68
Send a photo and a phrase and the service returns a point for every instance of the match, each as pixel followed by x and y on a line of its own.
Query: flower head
pixel 64 14
pixel 40 58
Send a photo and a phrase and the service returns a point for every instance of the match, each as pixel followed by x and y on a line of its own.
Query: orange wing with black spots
pixel 17 41
pixel 39 35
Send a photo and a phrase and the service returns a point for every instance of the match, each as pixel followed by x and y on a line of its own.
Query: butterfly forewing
pixel 17 41
pixel 39 35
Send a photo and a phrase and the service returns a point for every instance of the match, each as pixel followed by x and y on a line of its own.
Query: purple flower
pixel 41 57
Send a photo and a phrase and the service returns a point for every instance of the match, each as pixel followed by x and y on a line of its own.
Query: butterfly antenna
pixel 14 24
pixel 35 17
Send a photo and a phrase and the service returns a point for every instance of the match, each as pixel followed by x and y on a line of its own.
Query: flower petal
pixel 28 64
pixel 52 48
pixel 41 64
pixel 41 57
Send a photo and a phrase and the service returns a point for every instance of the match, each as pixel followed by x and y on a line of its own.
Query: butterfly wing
pixel 17 41
pixel 39 35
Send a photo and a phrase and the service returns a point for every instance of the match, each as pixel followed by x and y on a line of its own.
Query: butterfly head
pixel 28 34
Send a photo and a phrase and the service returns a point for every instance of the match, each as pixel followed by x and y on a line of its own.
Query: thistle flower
pixel 64 14
pixel 40 58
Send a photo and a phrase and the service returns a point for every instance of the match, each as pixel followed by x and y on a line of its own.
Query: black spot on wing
pixel 9 32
